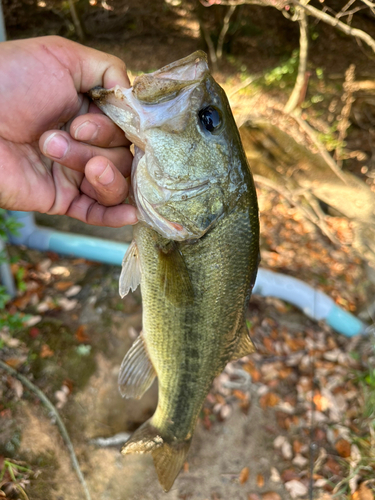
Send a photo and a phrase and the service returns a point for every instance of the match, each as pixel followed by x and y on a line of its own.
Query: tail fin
pixel 168 457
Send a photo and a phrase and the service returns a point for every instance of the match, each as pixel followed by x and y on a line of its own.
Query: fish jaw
pixel 174 175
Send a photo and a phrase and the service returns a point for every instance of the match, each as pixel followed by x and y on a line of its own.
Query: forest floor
pixel 294 420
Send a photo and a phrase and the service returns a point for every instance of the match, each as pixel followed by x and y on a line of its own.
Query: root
pixel 60 424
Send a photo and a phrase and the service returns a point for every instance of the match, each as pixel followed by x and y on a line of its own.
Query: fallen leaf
pixel 296 488
pixel 15 362
pixel 271 495
pixel 16 386
pixel 33 320
pixel 250 368
pixel 46 351
pixel 61 286
pixel 286 450
pixel 269 400
pixel 244 475
pixel 81 334
pixel 343 448
pixel 225 411
pixel 332 466
pixel 363 493
pixel 186 467
pixel 74 290
pixel 60 271
pixel 300 461
pixel 67 304
pixel 321 403
pixel 61 397
pixel 240 395
pixel 253 496
pixel 260 481
pixel 289 475
pixel 275 475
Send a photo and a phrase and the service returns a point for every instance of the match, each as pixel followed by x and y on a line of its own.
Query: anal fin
pixel 136 372
pixel 245 345
pixel 131 270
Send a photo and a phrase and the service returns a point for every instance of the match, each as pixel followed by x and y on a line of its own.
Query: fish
pixel 195 249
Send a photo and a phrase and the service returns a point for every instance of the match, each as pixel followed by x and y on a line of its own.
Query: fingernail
pixel 107 176
pixel 87 131
pixel 56 146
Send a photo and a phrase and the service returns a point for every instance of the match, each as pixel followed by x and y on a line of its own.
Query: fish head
pixel 188 157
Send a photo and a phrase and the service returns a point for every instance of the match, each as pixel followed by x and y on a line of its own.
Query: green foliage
pixel 15 321
pixel 283 74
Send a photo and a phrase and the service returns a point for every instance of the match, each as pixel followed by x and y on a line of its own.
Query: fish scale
pixel 195 251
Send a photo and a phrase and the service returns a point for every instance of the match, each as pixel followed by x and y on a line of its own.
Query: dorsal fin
pixel 131 270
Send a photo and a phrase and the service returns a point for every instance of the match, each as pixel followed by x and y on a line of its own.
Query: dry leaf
pixel 61 286
pixel 260 481
pixel 240 395
pixel 186 467
pixel 269 400
pixel 46 352
pixel 244 475
pixel 253 496
pixel 32 321
pixel 296 488
pixel 250 368
pixel 67 304
pixel 16 386
pixel 15 362
pixel 81 334
pixel 363 493
pixel 74 290
pixel 271 495
pixel 343 448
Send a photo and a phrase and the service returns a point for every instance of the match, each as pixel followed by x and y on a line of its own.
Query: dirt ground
pixel 298 425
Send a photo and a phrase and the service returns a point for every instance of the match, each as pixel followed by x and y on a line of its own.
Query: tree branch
pixel 357 33
pixel 296 96
pixel 224 30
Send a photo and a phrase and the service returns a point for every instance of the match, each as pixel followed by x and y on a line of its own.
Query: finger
pixel 59 146
pixel 88 210
pixel 88 67
pixel 104 183
pixel 98 130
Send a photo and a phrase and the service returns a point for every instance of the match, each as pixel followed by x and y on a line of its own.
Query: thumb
pixel 88 67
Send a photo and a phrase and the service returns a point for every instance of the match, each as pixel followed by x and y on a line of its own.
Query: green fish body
pixel 195 250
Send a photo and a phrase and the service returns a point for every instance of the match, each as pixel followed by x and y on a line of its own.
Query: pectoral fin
pixel 136 372
pixel 245 345
pixel 174 276
pixel 131 271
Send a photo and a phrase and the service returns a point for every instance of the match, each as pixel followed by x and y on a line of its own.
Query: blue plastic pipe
pixel 315 304
pixel 74 245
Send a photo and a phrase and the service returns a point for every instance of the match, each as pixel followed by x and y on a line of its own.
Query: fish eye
pixel 210 118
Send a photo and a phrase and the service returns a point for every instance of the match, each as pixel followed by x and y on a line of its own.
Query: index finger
pixel 98 130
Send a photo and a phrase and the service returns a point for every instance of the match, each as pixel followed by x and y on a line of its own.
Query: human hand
pixel 43 167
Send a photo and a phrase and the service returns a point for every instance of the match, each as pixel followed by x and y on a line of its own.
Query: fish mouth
pixel 169 81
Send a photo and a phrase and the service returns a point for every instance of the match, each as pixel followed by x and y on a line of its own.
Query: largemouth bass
pixel 195 250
